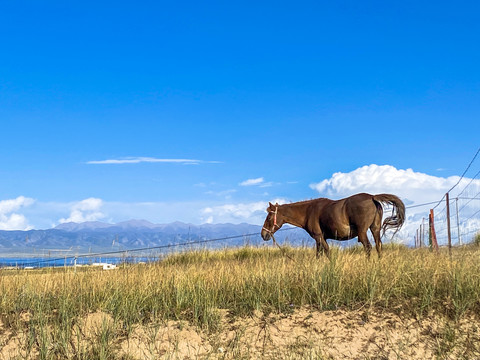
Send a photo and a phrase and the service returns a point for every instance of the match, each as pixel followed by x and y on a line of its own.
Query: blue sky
pixel 282 94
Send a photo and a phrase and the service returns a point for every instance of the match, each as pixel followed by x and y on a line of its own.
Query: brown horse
pixel 338 219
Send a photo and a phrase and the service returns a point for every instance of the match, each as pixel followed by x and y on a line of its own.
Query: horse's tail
pixel 398 212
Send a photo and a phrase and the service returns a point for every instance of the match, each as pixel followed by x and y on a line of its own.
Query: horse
pixel 341 219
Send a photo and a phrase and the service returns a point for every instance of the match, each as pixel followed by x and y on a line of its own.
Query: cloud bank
pixel 85 210
pixel 9 218
pixel 250 212
pixel 412 186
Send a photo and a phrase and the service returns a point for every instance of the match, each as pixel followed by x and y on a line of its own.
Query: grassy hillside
pixel 46 307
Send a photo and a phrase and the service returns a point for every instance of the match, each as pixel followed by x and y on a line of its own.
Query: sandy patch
pixel 16 345
pixel 93 324
pixel 311 334
pixel 305 333
pixel 174 339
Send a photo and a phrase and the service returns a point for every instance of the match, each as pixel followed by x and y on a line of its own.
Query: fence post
pixel 449 234
pixel 430 232
pixel 433 235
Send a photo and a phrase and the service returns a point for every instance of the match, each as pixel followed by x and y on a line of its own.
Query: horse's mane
pixel 303 202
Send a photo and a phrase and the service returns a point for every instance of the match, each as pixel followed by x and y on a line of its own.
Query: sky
pixel 203 112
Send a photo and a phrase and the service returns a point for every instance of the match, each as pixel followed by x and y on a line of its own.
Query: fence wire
pixel 131 256
pixel 463 220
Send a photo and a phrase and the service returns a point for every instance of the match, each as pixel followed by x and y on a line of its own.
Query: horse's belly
pixel 342 233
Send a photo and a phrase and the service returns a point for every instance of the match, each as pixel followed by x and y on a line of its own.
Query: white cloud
pixel 85 210
pixel 239 211
pixel 9 218
pixel 190 212
pixel 137 160
pixel 408 184
pixel 251 182
pixel 252 212
pixel 412 187
pixel 49 214
pixel 209 220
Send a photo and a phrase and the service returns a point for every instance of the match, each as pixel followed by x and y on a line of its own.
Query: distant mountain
pixel 136 224
pixel 176 227
pixel 97 225
pixel 95 236
pixel 85 226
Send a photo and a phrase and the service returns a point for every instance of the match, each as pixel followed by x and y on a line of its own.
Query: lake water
pixel 41 262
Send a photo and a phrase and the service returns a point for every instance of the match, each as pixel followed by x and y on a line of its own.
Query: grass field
pixel 92 314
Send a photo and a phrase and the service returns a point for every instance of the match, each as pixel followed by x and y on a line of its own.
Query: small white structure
pixel 105 266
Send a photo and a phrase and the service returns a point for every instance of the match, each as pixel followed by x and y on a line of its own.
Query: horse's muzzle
pixel 265 235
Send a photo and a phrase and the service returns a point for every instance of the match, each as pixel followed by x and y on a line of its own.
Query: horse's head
pixel 273 221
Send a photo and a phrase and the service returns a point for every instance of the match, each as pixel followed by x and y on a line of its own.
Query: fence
pixel 455 218
pixel 137 255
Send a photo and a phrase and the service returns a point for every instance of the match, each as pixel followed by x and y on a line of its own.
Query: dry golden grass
pixel 47 308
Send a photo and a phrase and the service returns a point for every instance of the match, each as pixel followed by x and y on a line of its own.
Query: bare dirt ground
pixel 303 334
pixel 313 335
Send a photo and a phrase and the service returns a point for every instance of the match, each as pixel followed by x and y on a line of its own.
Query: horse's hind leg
pixel 375 229
pixel 363 238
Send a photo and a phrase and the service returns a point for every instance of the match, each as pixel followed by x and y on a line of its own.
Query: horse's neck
pixel 295 214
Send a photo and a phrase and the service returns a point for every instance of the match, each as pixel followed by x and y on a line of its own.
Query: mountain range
pixel 94 236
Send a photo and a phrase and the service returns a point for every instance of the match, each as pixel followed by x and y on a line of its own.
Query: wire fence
pixel 455 218
pixel 142 255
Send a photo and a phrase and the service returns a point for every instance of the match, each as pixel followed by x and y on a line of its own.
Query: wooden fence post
pixel 432 234
pixel 449 234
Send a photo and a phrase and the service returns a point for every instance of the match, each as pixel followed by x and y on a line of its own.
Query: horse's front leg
pixel 321 244
pixel 318 247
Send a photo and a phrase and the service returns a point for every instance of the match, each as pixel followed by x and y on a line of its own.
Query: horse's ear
pixel 270 204
pixel 276 204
